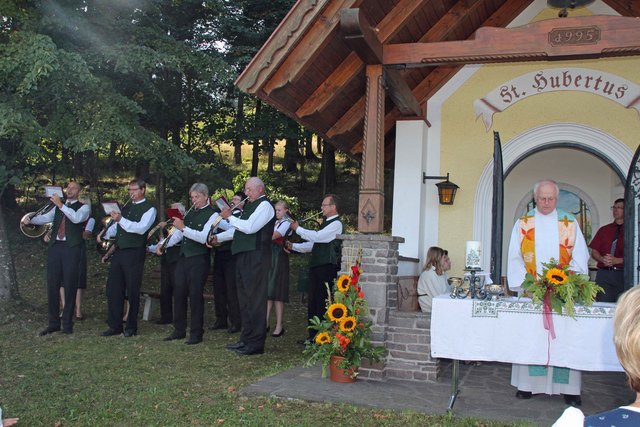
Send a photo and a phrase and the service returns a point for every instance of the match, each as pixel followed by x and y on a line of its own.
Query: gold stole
pixel 566 239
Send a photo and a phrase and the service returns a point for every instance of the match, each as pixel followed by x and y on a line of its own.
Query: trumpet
pixel 107 247
pixel 34 231
pixel 171 230
pixel 214 224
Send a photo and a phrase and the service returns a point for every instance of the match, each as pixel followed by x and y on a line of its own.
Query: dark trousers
pixel 225 293
pixel 62 270
pixel 167 278
pixel 82 268
pixel 612 281
pixel 125 275
pixel 317 305
pixel 190 277
pixel 252 271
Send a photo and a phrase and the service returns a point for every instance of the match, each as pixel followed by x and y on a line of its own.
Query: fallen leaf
pixel 219 421
pixel 231 389
pixel 241 408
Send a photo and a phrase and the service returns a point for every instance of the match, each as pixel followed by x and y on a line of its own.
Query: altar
pixel 511 330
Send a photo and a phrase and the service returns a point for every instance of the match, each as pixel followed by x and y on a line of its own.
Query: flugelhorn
pixel 171 230
pixel 214 224
pixel 106 248
pixel 34 231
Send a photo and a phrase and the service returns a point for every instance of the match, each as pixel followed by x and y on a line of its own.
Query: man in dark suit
pixel 130 228
pixel 63 256
pixel 251 234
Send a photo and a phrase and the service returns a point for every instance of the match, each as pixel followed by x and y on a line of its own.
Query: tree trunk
pixel 303 172
pixel 327 176
pixel 8 278
pixel 237 141
pixel 290 161
pixel 308 146
pixel 270 149
pixel 255 158
pixel 161 199
pixel 142 169
pixel 319 144
pixel 8 199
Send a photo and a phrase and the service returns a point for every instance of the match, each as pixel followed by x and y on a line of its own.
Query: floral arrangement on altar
pixel 345 330
pixel 558 287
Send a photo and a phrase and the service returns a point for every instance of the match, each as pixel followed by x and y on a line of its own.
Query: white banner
pixel 610 86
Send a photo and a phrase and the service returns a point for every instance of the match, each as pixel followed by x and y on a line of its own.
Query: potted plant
pixel 344 333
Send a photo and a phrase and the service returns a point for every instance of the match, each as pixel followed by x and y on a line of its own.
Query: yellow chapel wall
pixel 466 147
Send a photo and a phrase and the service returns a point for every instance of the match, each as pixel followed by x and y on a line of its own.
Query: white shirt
pixel 74 216
pixel 190 233
pixel 129 226
pixel 258 219
pixel 326 235
pixel 430 285
pixel 547 246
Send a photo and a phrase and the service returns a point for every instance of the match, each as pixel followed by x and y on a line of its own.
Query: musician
pixel 251 234
pixel 225 294
pixel 325 256
pixel 63 255
pixel 130 229
pixel 168 261
pixel 193 264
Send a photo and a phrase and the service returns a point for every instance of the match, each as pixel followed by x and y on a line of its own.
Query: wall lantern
pixel 563 5
pixel 446 189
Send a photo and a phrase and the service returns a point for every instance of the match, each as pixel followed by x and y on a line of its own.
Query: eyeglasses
pixel 134 189
pixel 324 206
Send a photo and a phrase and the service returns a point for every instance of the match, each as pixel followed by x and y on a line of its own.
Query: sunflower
pixel 323 338
pixel 343 283
pixel 556 276
pixel 337 311
pixel 348 324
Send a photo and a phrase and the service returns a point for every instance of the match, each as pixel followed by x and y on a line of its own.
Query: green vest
pixel 195 220
pixel 261 239
pixel 172 254
pixel 133 212
pixel 72 232
pixel 226 246
pixel 327 253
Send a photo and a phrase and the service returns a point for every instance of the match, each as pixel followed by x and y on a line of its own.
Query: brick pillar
pixel 405 335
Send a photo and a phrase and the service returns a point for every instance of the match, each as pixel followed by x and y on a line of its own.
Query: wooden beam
pixel 400 93
pixel 579 37
pixel 625 7
pixel 371 200
pixel 302 56
pixel 271 55
pixel 360 37
pixel 332 86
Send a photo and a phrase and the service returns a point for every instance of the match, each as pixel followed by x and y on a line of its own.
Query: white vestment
pixel 547 247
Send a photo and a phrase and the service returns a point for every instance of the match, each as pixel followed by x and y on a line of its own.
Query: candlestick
pixel 472 257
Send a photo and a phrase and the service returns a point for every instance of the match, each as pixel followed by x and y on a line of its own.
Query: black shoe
pixel 233 329
pixel 67 331
pixel 268 328
pixel 48 331
pixel 281 333
pixel 248 351
pixel 523 394
pixel 235 345
pixel 163 322
pixel 573 399
pixel 129 334
pixel 175 336
pixel 219 324
pixel 110 332
pixel 193 340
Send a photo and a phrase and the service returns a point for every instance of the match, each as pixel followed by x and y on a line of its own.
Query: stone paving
pixel 485 392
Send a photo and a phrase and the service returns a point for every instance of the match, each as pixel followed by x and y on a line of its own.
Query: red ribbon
pixel 547 315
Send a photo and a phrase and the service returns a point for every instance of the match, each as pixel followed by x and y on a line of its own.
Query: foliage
pixel 345 329
pixel 561 287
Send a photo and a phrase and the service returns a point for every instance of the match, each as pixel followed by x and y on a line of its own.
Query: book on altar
pixel 222 203
pixel 110 207
pixel 50 190
pixel 174 213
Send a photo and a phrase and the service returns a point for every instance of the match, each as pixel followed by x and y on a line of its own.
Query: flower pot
pixel 339 375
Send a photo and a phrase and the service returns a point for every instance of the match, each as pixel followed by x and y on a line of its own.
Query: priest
pixel 544 233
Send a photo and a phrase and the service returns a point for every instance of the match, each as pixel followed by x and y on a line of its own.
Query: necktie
pixel 615 241
pixel 61 227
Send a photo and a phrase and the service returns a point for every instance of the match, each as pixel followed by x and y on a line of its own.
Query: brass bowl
pixel 455 282
pixel 494 290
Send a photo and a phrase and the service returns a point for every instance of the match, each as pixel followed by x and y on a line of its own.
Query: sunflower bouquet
pixel 345 329
pixel 559 287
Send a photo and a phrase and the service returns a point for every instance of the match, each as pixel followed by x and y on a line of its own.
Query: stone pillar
pixel 405 335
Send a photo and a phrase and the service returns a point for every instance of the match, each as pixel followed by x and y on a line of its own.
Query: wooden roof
pixel 312 68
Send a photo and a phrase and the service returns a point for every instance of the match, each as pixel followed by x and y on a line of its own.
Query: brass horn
pixel 32 230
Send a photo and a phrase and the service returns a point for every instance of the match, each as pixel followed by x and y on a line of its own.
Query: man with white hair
pixel 251 234
pixel 544 233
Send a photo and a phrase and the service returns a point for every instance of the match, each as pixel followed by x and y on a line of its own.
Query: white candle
pixel 472 255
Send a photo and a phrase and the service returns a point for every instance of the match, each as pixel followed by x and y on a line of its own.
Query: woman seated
pixel 626 337
pixel 433 279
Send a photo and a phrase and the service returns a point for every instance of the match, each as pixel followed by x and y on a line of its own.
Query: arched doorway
pixel 574 141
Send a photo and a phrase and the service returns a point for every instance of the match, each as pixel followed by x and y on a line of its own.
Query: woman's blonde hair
pixel 626 335
pixel 434 256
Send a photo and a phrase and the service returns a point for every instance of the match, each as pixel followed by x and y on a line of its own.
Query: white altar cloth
pixel 510 330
